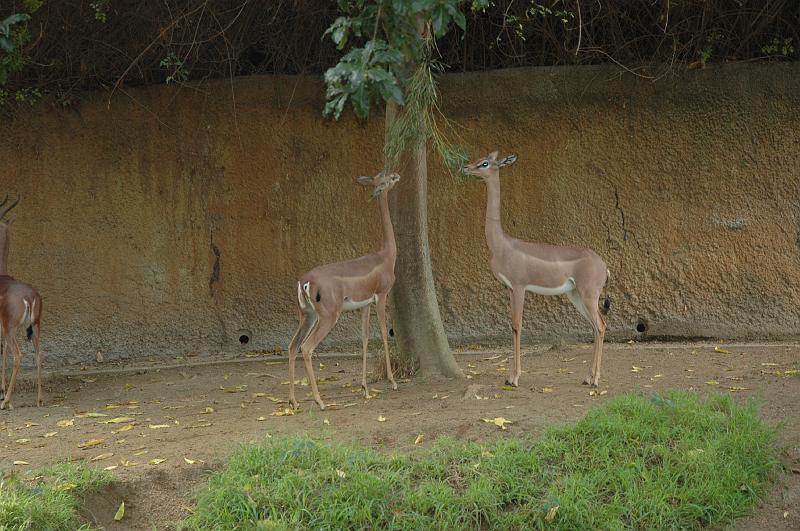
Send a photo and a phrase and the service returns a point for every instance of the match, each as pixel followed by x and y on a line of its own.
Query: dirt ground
pixel 166 427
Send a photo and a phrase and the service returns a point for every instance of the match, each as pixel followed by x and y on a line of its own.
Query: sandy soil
pixel 186 418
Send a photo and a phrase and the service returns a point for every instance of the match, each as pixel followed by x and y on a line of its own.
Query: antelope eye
pixel 484 164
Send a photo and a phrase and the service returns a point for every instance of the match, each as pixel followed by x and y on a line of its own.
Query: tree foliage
pixel 70 46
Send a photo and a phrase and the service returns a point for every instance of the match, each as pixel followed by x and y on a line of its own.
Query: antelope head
pixel 485 167
pixel 382 183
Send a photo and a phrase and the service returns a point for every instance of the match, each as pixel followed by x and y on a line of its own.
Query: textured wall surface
pixel 177 219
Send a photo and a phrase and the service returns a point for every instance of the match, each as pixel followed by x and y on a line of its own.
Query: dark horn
pixel 7 210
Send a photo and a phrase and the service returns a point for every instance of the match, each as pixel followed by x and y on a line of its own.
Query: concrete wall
pixel 174 219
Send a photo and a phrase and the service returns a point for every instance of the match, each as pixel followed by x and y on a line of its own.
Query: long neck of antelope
pixel 494 228
pixel 389 243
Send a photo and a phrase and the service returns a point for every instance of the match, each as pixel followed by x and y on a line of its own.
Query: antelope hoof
pixel 39 403
pixel 587 381
pixel 321 405
pixel 511 382
pixel 293 402
pixel 394 385
pixel 4 404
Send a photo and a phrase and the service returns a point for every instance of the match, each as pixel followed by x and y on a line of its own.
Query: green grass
pixel 680 462
pixel 48 498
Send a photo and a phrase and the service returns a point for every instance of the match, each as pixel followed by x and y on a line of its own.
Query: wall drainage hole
pixel 244 339
pixel 641 326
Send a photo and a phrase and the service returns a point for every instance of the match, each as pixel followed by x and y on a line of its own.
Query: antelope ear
pixel 492 156
pixel 364 180
pixel 508 161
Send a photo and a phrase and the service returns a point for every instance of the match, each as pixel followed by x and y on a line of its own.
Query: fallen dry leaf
pixel 722 350
pixel 285 412
pixel 261 419
pixel 634 368
pixel 65 423
pixel 91 415
pixel 547 389
pixel 156 461
pixel 22 441
pixel 21 463
pixel 326 422
pixel 125 428
pixel 101 456
pixel 29 424
pixel 158 426
pixel 49 434
pixel 120 512
pixel 381 418
pixel 712 382
pixel 419 438
pixel 117 420
pixel 140 452
pixel 91 443
pixel 500 422
pixel 109 468
pixel 341 473
pixel 189 461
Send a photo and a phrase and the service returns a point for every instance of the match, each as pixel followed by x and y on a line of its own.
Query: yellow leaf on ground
pixel 49 434
pixel 381 418
pixel 140 452
pixel 91 443
pixel 419 438
pixel 158 426
pixel 551 513
pixel 66 423
pixel 547 389
pixel 791 372
pixel 156 461
pixel 712 382
pixel 117 420
pixel 722 350
pixel 91 414
pixel 326 422
pixel 261 419
pixel 21 463
pixel 285 412
pixel 66 487
pixel 127 427
pixel 341 473
pixel 634 368
pixel 500 422
pixel 22 441
pixel 120 512
pixel 111 467
pixel 29 424
pixel 189 461
pixel 101 457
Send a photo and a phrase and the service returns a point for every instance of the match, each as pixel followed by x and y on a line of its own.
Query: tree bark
pixel 417 321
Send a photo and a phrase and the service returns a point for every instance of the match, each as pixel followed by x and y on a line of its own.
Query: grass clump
pixel 679 462
pixel 48 499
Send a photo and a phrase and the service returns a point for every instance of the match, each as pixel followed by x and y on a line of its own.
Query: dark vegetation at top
pixel 70 46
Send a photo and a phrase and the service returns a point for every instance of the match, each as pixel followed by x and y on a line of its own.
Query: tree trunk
pixel 417 321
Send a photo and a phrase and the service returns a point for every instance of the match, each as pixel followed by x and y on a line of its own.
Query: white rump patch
pixel 300 299
pixel 349 304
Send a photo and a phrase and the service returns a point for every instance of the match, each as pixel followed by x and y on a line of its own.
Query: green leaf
pixel 5 25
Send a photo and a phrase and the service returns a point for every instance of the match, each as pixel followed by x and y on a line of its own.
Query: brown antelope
pixel 20 305
pixel 521 266
pixel 327 291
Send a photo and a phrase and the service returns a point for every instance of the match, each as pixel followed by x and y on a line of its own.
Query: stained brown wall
pixel 175 218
